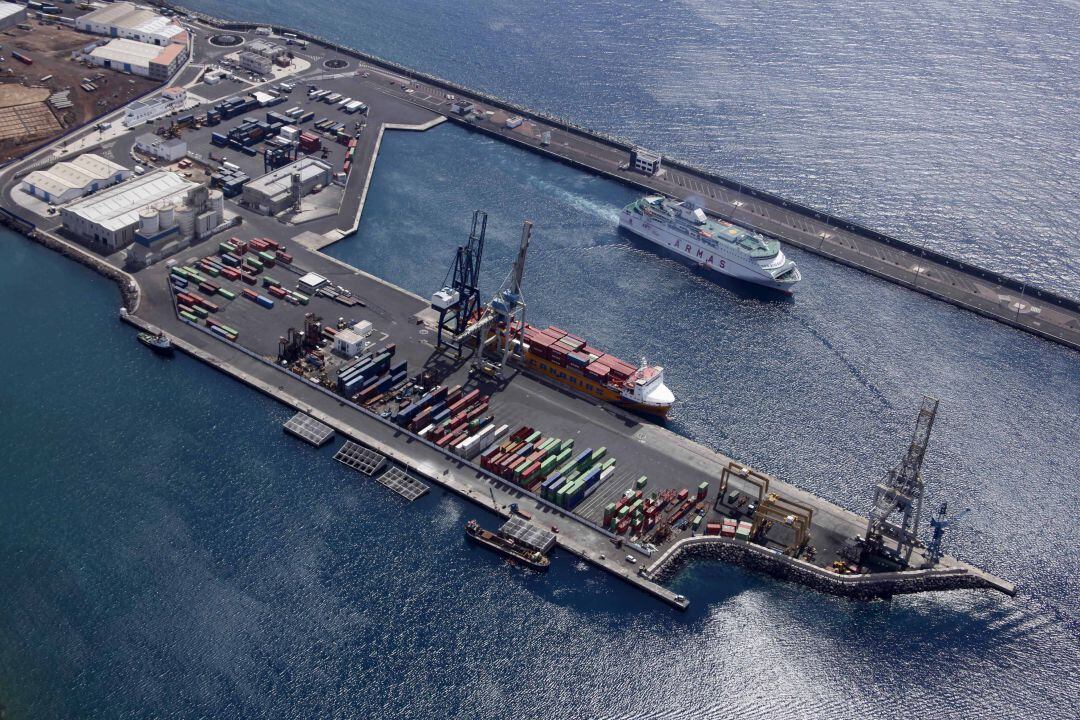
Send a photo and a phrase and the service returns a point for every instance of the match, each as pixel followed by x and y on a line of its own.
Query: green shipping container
pixel 265 256
pixel 228 294
pixel 231 331
pixel 703 488
pixel 188 316
pixel 641 482
pixel 201 311
pixel 301 297
pixel 270 282
pixel 610 462
pixel 534 437
pixel 624 511
pixel 212 271
pixel 598 454
pixel 567 445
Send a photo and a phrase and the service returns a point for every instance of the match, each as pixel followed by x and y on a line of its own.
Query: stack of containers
pixel 729 527
pixel 365 372
pixel 479 441
pixel 743 531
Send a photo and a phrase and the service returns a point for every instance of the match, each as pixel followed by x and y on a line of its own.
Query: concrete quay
pixel 1020 305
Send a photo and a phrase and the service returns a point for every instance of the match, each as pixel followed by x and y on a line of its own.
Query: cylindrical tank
pixel 185 218
pixel 167 216
pixel 148 221
pixel 217 202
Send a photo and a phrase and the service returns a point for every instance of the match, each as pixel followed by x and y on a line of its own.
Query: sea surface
pixel 165 551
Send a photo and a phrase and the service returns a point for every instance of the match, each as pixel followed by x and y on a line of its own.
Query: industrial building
pixel 645 161
pixel 141 111
pixel 69 180
pixel 283 188
pixel 126 20
pixel 11 14
pixel 350 341
pixel 255 62
pixel 169 150
pixel 181 210
pixel 274 53
pixel 139 58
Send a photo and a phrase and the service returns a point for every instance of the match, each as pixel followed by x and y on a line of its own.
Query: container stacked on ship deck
pixel 570 361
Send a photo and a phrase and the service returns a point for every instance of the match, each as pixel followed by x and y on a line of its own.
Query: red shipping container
pixel 712 528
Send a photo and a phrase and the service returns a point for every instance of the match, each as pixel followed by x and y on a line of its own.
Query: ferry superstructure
pixel 685 229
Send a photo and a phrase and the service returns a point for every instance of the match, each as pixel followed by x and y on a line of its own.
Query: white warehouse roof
pixel 280 180
pixel 7 9
pixel 128 16
pixel 73 174
pixel 127 51
pixel 119 206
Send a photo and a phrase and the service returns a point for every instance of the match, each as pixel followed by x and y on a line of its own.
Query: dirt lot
pixel 26 124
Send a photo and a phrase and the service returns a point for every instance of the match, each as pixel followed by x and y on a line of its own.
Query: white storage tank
pixel 167 216
pixel 217 203
pixel 185 218
pixel 148 221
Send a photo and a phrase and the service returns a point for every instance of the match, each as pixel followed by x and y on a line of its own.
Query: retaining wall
pixel 770 562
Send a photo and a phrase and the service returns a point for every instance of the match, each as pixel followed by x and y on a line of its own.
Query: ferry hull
pixel 699 256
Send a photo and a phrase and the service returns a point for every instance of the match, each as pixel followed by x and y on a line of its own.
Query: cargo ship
pixel 685 229
pixel 506 547
pixel 568 360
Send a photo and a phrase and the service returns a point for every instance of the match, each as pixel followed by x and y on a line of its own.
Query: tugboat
pixel 159 343
pixel 507 547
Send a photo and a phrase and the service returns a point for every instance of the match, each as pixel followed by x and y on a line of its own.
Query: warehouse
pixel 125 20
pixel 11 14
pixel 112 218
pixel 273 192
pixel 169 150
pixel 71 179
pixel 139 58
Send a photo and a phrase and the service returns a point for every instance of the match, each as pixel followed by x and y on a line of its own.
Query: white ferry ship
pixel 728 249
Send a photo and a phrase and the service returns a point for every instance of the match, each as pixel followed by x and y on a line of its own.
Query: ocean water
pixel 167 552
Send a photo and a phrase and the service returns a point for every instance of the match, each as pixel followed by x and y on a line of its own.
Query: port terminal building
pixel 280 189
pixel 150 211
pixel 69 180
pixel 127 20
pixel 142 111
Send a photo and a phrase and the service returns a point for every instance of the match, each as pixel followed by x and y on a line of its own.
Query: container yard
pixel 458 390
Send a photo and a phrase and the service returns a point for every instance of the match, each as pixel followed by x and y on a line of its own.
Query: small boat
pixel 159 343
pixel 506 547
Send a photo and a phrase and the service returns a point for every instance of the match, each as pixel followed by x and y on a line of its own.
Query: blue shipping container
pixel 264 301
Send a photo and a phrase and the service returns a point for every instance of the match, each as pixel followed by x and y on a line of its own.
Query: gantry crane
pixel 459 301
pixel 901 493
pixel 505 314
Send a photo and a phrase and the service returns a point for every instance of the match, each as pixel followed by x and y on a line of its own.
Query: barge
pixel 506 547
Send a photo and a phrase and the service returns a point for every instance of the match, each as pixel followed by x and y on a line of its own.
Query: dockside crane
pixel 459 302
pixel 505 315
pixel 900 494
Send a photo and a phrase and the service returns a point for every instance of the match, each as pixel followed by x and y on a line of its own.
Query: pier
pixel 406 463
